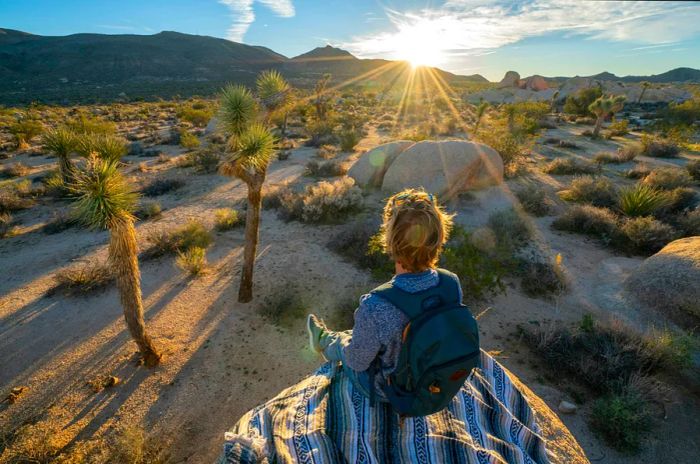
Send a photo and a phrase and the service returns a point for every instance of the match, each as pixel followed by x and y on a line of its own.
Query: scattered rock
pixel 566 407
pixel 15 393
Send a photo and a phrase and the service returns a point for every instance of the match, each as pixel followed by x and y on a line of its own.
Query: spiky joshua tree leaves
pixel 250 146
pixel 604 107
pixel 105 199
pixel 62 142
pixel 276 97
pixel 480 111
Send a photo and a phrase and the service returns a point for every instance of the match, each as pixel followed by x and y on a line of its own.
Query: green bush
pixel 204 161
pixel 641 200
pixel 543 278
pixel 510 228
pixel 192 234
pixel 361 243
pixel 149 210
pixel 198 117
pixel 590 220
pixel 82 279
pixel 569 166
pixel 227 219
pixel 192 260
pixel 321 202
pixel 668 178
pixel 689 223
pixel 647 235
pixel 693 168
pixel 659 147
pixel 622 420
pixel 188 140
pixel 25 129
pixel 534 200
pixel 159 187
pixel 578 104
pixel 618 128
pixel 598 191
pixel 349 138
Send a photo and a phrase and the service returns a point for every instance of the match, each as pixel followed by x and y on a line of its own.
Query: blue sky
pixel 562 37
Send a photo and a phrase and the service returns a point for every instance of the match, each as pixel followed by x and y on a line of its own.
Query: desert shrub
pixel 107 147
pixel 689 223
pixel 327 152
pixel 283 306
pixel 227 219
pixel 161 187
pixel 622 420
pixel 677 200
pixel 360 242
pixel 321 202
pixel 693 168
pixel 659 147
pixel 331 168
pixel 543 277
pixel 598 191
pixel 204 161
pixel 568 144
pixel 481 271
pixel 668 178
pixel 639 171
pixel 85 124
pixel 188 140
pixel 606 157
pixel 24 130
pixel 198 117
pixel 510 229
pixel 18 169
pixel 60 221
pixel 618 128
pixel 192 260
pixel 683 114
pixel 629 152
pixel 11 200
pixel 7 227
pixel 578 104
pixel 192 234
pixel 569 166
pixel 534 200
pixel 646 234
pixel 590 220
pixel 320 131
pixel 132 445
pixel 54 185
pixel 149 210
pixel 82 279
pixel 511 147
pixel 641 200
pixel 349 138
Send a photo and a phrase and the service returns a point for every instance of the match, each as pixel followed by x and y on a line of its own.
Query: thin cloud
pixel 478 25
pixel 243 15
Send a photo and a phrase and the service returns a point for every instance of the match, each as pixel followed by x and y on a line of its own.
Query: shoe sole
pixel 311 334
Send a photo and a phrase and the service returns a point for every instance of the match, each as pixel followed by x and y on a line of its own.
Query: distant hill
pixel 677 75
pixel 99 67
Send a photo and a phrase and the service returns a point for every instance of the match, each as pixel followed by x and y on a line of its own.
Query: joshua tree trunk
pixel 598 125
pixel 122 257
pixel 252 223
pixel 66 168
pixel 641 95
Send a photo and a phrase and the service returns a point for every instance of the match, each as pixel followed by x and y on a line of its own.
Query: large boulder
pixel 444 167
pixel 535 83
pixel 509 80
pixel 670 280
pixel 369 169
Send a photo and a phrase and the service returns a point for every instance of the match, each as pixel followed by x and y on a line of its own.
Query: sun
pixel 420 42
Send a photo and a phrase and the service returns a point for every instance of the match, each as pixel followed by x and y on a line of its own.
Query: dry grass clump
pixel 659 147
pixel 162 186
pixel 639 171
pixel 321 202
pixel 82 279
pixel 327 152
pixel 590 220
pixel 192 234
pixel 227 219
pixel 629 152
pixel 188 140
pixel 569 166
pixel 689 223
pixel 534 200
pixel 668 178
pixel 149 210
pixel 325 169
pixel 647 235
pixel 7 227
pixel 131 444
pixel 693 168
pixel 283 306
pixel 192 260
pixel 511 228
pixel 11 200
pixel 204 161
pixel 12 170
pixel 606 157
pixel 60 221
pixel 598 191
pixel 543 277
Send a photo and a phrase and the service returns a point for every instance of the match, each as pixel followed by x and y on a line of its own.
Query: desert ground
pixel 82 394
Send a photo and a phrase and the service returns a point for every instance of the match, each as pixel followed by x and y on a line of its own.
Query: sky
pixel 551 38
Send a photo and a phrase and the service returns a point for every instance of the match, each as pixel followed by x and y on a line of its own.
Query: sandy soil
pixel 223 358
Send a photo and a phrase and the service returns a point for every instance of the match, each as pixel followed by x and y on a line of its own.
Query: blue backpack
pixel 440 347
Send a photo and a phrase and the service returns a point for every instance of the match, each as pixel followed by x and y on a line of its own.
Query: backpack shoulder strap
pixel 412 304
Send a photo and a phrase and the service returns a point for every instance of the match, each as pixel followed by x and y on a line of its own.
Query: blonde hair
pixel 415 229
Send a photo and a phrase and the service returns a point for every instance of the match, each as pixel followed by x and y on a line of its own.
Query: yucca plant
pixel 480 111
pixel 106 147
pixel 250 146
pixel 641 200
pixel 62 143
pixel 604 107
pixel 105 199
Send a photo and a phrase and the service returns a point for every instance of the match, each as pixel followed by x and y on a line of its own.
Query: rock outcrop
pixel 370 168
pixel 509 80
pixel 535 83
pixel 669 281
pixel 446 168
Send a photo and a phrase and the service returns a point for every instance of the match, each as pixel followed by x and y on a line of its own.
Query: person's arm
pixel 364 345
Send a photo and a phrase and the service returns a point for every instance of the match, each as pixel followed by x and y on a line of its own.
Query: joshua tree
pixel 604 107
pixel 61 142
pixel 645 85
pixel 510 112
pixel 553 102
pixel 480 110
pixel 250 146
pixel 105 199
pixel 322 96
pixel 106 147
pixel 275 95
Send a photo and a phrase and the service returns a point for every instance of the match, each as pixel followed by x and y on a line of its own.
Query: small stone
pixel 565 407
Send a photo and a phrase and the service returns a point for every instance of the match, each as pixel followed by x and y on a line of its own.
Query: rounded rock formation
pixel 446 168
pixel 370 168
pixel 669 281
pixel 509 80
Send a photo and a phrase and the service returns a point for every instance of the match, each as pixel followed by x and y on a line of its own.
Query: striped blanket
pixel 323 419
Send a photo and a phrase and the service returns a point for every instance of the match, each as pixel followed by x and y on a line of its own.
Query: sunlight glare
pixel 420 43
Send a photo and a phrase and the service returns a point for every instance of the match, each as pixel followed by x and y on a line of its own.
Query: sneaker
pixel 316 329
